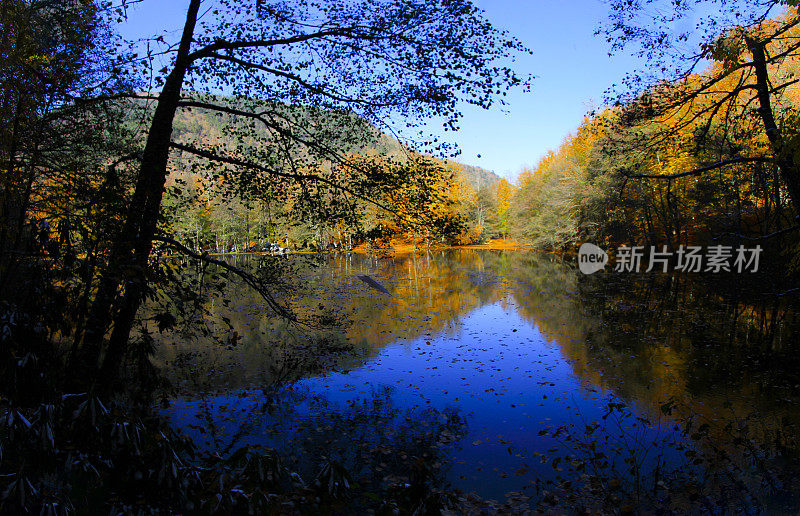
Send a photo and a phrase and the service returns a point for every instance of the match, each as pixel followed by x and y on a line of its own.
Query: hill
pixel 478 177
pixel 202 125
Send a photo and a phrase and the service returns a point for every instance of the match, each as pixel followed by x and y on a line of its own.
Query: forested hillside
pixel 705 159
pixel 206 214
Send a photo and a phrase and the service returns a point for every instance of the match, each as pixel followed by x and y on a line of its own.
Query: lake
pixel 491 372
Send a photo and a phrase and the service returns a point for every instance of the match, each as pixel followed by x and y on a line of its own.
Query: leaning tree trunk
pixel 123 284
pixel 786 161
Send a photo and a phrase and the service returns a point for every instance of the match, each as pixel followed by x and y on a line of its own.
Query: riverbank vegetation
pixel 689 161
pixel 270 125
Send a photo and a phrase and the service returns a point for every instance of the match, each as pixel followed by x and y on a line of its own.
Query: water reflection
pixel 513 342
pixel 371 440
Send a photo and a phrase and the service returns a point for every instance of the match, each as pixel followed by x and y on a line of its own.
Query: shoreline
pixel 493 245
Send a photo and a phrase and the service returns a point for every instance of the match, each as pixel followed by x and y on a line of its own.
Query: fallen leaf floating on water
pixel 374 284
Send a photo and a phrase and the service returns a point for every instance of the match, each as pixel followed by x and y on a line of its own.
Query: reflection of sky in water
pixel 497 369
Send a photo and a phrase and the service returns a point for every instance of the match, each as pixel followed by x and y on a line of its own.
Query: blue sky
pixel 571 66
pixel 572 69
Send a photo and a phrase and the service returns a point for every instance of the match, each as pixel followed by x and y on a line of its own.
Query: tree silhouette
pixel 371 60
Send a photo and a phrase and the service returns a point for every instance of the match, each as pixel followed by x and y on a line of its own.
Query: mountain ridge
pixel 203 124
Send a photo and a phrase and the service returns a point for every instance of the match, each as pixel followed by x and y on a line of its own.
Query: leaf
pixel 24 420
pixel 164 321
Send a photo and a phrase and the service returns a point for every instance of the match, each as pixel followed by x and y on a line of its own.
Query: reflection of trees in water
pixel 717 341
pixel 431 292
pixel 647 338
pixel 651 332
pixel 289 354
pixel 655 337
pixel 236 340
pixel 666 316
pixel 371 441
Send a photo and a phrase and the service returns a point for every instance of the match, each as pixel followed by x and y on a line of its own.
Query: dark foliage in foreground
pixel 78 454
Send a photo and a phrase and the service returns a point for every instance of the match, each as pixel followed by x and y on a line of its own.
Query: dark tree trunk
pixel 123 284
pixel 784 158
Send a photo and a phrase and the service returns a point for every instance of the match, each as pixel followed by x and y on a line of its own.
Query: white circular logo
pixel 591 258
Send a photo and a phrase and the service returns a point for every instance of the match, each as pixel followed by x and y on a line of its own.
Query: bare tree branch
pixel 265 43
pixel 255 283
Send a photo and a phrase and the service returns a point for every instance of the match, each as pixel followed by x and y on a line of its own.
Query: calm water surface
pixel 472 355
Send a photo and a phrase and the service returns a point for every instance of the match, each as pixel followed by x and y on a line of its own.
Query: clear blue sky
pixel 572 69
pixel 571 65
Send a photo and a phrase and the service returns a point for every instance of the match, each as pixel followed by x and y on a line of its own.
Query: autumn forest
pixel 246 269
